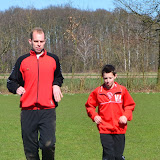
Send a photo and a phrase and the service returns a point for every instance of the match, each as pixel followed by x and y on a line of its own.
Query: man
pixel 37 78
pixel 115 107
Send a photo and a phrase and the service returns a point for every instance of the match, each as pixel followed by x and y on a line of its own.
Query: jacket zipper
pixel 38 79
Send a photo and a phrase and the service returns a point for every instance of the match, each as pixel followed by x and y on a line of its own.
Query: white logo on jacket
pixel 118 98
pixel 110 95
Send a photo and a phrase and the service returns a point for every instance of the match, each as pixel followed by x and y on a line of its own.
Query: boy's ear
pixel 115 76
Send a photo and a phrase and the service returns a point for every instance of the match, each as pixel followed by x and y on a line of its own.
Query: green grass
pixel 10 134
pixel 77 136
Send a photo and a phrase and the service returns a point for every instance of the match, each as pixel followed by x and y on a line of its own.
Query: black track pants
pixel 113 146
pixel 38 131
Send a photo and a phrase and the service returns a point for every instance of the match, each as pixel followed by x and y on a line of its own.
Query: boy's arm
pixel 128 104
pixel 91 105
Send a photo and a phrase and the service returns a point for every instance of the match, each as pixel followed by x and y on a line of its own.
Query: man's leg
pixel 119 141
pixel 47 126
pixel 108 146
pixel 30 134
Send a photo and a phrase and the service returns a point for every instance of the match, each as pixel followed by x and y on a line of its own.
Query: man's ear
pixel 30 41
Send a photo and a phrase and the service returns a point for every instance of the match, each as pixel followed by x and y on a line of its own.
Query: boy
pixel 115 106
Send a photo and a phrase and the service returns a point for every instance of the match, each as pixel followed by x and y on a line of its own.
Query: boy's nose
pixel 107 79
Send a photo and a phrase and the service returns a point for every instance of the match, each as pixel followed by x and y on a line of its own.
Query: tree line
pixel 84 40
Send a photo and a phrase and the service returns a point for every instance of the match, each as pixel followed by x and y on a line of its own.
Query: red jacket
pixel 37 76
pixel 112 104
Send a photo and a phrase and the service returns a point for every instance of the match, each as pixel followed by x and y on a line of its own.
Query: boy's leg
pixel 119 141
pixel 48 154
pixel 47 126
pixel 108 146
pixel 30 134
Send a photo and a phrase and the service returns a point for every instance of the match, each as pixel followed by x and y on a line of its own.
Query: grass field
pixel 77 136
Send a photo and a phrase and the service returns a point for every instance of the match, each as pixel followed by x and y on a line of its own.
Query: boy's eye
pixel 108 78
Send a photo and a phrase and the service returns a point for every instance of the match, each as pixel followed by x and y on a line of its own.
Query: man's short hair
pixel 108 68
pixel 37 29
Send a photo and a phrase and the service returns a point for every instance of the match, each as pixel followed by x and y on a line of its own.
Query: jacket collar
pixel 32 52
pixel 115 89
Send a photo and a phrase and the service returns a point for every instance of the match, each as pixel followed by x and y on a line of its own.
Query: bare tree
pixel 145 9
pixel 85 45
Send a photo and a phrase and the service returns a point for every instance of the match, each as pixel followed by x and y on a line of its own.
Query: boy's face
pixel 109 79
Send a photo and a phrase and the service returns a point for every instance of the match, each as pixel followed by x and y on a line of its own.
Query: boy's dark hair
pixel 107 69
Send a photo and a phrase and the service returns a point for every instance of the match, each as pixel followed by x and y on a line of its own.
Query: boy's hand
pixel 123 120
pixel 97 119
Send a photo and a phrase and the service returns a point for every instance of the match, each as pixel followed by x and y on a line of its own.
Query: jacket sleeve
pixel 58 78
pixel 128 104
pixel 91 105
pixel 15 79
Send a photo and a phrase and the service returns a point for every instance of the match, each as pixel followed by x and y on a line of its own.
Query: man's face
pixel 109 79
pixel 37 42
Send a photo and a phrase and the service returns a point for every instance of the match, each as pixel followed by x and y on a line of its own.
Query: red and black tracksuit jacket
pixel 37 76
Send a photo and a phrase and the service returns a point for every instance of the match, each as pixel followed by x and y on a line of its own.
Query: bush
pixel 88 84
pixel 3 83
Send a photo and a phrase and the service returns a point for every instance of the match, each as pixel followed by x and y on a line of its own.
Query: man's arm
pixel 15 79
pixel 58 80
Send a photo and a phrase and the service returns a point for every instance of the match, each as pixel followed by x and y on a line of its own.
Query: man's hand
pixel 123 120
pixel 57 93
pixel 97 119
pixel 21 90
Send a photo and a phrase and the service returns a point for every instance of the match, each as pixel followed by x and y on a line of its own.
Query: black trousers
pixel 38 131
pixel 113 146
